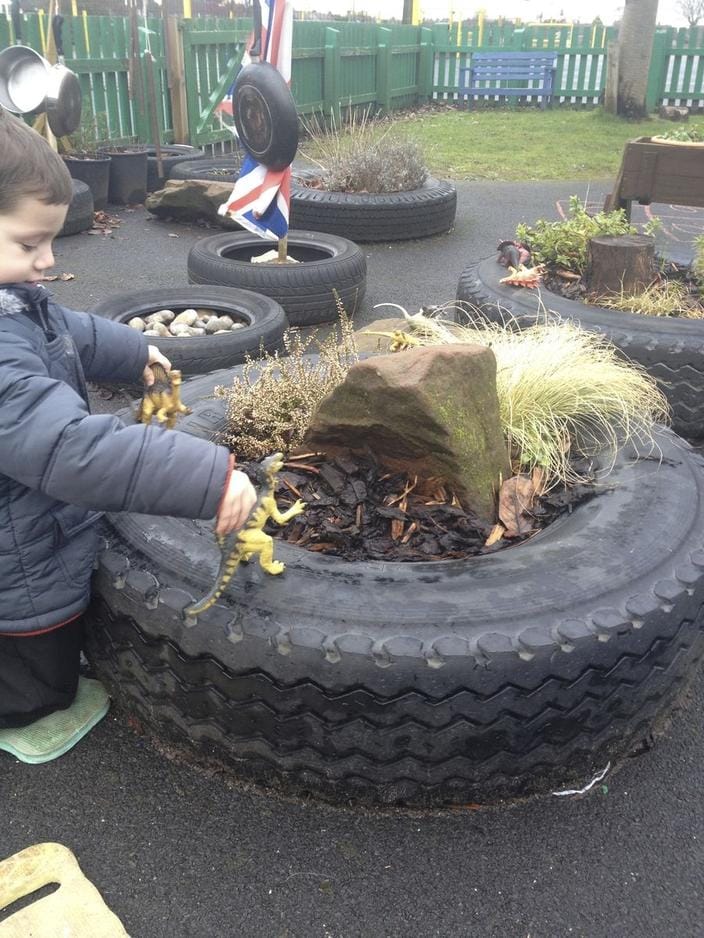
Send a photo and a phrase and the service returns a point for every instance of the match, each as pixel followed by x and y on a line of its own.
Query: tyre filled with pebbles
pixel 201 328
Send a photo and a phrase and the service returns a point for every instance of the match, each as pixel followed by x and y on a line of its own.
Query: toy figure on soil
pixel 251 540
pixel 524 276
pixel 512 253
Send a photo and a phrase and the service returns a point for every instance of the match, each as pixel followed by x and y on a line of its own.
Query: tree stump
pixel 620 263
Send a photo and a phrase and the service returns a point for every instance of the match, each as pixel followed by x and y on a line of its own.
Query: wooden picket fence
pixel 335 66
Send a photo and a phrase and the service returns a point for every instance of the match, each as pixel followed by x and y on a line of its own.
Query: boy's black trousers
pixel 39 673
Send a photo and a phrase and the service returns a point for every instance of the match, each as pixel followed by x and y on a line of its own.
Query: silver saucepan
pixel 64 98
pixel 30 85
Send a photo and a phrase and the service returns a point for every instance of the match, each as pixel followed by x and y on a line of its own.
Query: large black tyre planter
pixel 225 169
pixel 514 673
pixel 265 324
pixel 307 291
pixel 80 210
pixel 171 155
pixel 671 349
pixel 365 216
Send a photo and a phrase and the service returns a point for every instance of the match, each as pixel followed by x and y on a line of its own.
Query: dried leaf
pixel 515 502
pixel 497 532
pixel 64 277
pixel 567 274
pixel 539 479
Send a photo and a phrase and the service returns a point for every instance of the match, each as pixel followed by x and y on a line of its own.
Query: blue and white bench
pixel 509 74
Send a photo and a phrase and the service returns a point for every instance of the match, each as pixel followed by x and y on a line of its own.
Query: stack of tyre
pixel 260 319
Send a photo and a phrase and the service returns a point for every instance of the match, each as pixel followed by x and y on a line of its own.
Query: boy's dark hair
pixel 29 168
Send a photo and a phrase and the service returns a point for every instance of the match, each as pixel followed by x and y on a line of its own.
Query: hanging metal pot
pixel 24 75
pixel 263 108
pixel 64 98
pixel 23 72
pixel 30 85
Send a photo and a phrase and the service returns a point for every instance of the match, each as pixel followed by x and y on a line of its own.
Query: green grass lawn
pixel 524 143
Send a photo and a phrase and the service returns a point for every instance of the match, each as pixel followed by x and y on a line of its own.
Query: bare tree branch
pixel 692 10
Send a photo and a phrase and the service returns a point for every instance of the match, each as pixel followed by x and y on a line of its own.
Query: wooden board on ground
pixel 76 908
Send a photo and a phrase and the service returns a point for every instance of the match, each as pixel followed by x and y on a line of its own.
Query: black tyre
pixel 671 349
pixel 265 115
pixel 327 266
pixel 224 169
pixel 363 216
pixel 505 675
pixel 80 210
pixel 264 324
pixel 171 155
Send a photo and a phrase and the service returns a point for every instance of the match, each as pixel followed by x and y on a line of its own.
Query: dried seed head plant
pixel 361 156
pixel 270 406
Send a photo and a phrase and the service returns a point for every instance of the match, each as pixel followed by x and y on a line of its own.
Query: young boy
pixel 61 466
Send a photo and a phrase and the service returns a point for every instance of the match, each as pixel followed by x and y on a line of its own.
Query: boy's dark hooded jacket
pixel 61 467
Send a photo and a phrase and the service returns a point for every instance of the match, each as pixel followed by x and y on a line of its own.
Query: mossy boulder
pixel 431 412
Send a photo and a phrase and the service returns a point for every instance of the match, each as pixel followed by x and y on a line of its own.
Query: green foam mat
pixel 53 735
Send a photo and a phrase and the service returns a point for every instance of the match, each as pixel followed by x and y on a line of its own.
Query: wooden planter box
pixel 659 171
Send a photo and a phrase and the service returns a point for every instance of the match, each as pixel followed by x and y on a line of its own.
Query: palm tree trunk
pixel 635 40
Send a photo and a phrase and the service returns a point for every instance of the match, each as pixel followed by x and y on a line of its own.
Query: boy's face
pixel 26 234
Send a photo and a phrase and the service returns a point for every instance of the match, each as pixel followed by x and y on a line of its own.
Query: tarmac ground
pixel 180 852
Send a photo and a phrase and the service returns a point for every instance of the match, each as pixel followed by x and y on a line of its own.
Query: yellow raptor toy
pixel 251 539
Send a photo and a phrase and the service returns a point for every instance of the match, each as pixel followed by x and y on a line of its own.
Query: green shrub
pixel 565 243
pixel 693 133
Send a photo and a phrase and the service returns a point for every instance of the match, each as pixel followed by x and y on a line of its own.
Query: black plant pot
pixel 128 174
pixel 95 173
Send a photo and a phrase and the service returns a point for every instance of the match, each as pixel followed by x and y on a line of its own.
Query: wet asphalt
pixel 178 852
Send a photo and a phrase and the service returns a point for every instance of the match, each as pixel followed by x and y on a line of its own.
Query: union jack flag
pixel 261 196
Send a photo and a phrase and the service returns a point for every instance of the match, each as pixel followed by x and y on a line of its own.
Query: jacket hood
pixel 16 297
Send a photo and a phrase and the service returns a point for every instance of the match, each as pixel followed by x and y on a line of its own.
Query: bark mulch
pixel 357 510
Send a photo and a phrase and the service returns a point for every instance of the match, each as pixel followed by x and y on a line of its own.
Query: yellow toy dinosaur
pixel 163 399
pixel 400 340
pixel 251 539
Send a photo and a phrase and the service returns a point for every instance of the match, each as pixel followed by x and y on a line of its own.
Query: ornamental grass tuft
pixel 563 392
pixel 666 298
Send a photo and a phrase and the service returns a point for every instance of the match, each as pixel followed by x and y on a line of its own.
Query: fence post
pixel 176 79
pixel 656 72
pixel 611 84
pixel 383 68
pixel 331 75
pixel 426 56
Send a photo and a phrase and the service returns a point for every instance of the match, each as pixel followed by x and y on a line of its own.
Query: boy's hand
pixel 237 502
pixel 155 357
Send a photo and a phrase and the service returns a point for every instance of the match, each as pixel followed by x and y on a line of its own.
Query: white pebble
pixel 188 317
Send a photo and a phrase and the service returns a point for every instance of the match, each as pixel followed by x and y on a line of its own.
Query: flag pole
pixel 283 250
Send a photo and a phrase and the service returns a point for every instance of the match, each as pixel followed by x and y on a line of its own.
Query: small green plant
pixel 91 134
pixel 662 298
pixel 565 243
pixel 269 408
pixel 361 157
pixel 692 133
pixel 562 391
pixel 698 262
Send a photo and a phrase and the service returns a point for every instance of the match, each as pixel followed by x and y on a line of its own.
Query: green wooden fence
pixel 335 66
pixel 97 48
